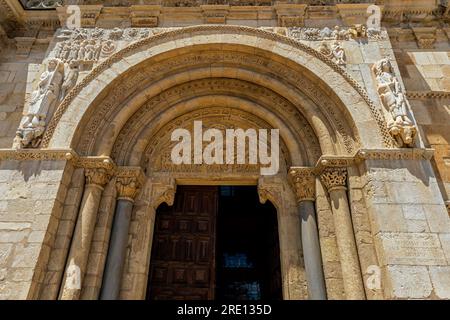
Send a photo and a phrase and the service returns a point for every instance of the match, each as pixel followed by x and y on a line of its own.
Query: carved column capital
pixel 304 183
pixel 334 178
pixel 129 180
pixel 98 177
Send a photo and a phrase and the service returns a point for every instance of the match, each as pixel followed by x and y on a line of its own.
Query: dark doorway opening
pixel 215 243
pixel 248 254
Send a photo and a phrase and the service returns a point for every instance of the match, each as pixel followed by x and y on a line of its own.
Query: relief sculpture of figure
pixel 391 94
pixel 70 79
pixel 42 100
pixel 338 54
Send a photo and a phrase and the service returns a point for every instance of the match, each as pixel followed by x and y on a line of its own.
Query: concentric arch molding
pixel 219 29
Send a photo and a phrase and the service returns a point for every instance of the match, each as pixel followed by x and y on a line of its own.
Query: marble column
pixel 127 188
pixel 96 179
pixel 335 180
pixel 303 180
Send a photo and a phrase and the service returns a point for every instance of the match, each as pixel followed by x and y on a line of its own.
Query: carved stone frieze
pixel 395 154
pixel 334 178
pixel 304 183
pixel 337 33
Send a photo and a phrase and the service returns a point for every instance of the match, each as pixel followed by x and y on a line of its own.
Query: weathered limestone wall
pixel 410 227
pixel 18 72
pixel 426 74
pixel 32 199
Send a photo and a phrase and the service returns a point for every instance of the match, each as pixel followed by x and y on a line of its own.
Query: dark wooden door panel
pixel 182 265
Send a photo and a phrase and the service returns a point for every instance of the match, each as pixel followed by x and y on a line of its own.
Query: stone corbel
pixel 24 45
pixel 129 181
pixel 162 190
pixel 215 14
pixel 425 37
pixel 275 190
pixel 322 12
pixel 145 16
pixel 353 13
pixel 89 14
pixel 290 15
pixel 303 182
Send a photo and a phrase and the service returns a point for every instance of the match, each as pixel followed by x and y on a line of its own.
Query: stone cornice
pixel 58 155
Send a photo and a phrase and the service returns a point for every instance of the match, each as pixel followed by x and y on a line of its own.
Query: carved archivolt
pixel 212 85
pixel 171 35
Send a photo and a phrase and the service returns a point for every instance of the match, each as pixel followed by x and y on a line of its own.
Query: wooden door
pixel 182 265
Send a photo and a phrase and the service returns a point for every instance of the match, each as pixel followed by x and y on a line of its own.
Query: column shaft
pixel 311 251
pixel 351 271
pixel 115 262
pixel 81 243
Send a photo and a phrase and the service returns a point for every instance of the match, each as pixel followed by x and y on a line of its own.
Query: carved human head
pixel 52 64
pixel 381 66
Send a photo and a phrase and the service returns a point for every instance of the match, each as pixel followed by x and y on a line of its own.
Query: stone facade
pixel 86 116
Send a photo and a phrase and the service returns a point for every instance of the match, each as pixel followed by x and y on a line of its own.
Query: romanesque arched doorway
pixel 258 80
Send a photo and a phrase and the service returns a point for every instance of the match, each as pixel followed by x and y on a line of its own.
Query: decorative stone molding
pixel 425 36
pixel 416 95
pixel 395 154
pixel 328 161
pixel 129 180
pixel 304 183
pixel 378 116
pixel 97 177
pixel 393 99
pixel 334 178
pixel 36 155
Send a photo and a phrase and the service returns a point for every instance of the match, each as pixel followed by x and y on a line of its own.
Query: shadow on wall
pixel 425 71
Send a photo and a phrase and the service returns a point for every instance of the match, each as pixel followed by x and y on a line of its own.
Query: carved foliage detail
pixel 334 178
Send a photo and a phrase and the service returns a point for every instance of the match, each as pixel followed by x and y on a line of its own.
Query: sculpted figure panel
pixel 391 94
pixel 42 100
